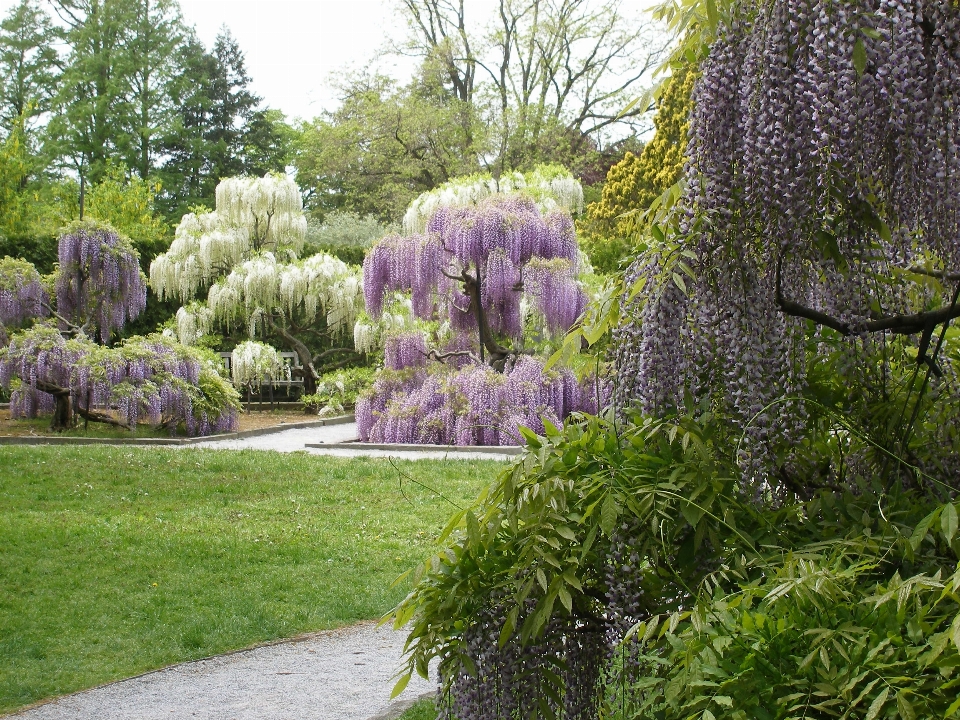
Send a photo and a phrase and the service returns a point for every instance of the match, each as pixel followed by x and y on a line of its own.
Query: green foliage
pixel 382 148
pixel 128 204
pixel 120 560
pixel 608 232
pixel 422 710
pixel 338 390
pixel 748 609
pixel 345 235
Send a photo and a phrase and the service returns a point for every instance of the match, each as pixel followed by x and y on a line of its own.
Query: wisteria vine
pixel 99 285
pixel 823 168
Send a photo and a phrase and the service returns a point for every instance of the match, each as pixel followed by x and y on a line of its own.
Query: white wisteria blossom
pixel 194 320
pixel 369 334
pixel 245 255
pixel 263 290
pixel 551 186
pixel 252 215
pixel 254 363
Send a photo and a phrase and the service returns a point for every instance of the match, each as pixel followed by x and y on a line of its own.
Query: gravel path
pixel 296 439
pixel 344 674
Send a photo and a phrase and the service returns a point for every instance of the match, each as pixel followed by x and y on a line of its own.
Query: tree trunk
pixel 310 375
pixel 63 410
pixel 498 353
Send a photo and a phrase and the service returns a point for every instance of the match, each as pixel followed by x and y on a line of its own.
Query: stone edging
pixel 399 707
pixel 166 442
pixel 405 447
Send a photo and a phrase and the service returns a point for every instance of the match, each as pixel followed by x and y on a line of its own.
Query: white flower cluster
pixel 320 283
pixel 550 185
pixel 193 321
pixel 253 363
pixel 252 214
pixel 369 334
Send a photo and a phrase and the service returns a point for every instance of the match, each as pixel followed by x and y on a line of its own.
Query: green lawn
pixel 423 710
pixel 116 560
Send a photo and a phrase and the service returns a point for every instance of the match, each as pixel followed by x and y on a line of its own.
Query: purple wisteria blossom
pixel 22 295
pixel 473 405
pixel 151 379
pixel 99 284
pixel 823 154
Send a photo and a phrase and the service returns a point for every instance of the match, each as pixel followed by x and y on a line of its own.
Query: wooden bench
pixel 291 367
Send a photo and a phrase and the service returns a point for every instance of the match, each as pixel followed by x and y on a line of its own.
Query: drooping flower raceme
pixel 497 242
pixel 470 405
pixel 823 161
pixel 299 290
pixel 253 363
pixel 253 215
pixel 22 295
pixel 99 284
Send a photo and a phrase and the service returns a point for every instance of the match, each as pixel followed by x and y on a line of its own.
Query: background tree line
pixel 114 109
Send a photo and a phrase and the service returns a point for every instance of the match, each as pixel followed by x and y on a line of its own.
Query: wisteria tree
pixel 244 255
pixel 60 369
pixel 149 379
pixel 98 287
pixel 492 270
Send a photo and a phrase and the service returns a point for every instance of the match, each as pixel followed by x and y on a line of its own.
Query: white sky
pixel 292 47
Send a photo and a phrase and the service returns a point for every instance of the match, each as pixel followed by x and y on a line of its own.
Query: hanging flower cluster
pixel 471 406
pixel 99 285
pixel 495 240
pixel 253 363
pixel 22 295
pixel 149 379
pixel 551 186
pixel 193 321
pixel 824 156
pixel 252 215
pixel 299 290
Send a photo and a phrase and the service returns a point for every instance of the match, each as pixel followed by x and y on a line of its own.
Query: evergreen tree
pixel 28 64
pixel 232 108
pixel 218 130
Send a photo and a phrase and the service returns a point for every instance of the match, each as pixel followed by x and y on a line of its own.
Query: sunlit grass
pixel 118 560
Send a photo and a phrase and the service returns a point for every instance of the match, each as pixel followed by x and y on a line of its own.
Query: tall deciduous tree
pixel 556 73
pixel 29 65
pixel 153 33
pixel 383 147
pixel 92 86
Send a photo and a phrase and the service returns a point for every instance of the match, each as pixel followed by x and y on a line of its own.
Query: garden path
pixel 296 439
pixel 344 674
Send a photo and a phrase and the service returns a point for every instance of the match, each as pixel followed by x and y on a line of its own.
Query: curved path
pixel 344 674
pixel 296 440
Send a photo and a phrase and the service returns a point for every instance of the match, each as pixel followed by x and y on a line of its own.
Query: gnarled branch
pixel 896 324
